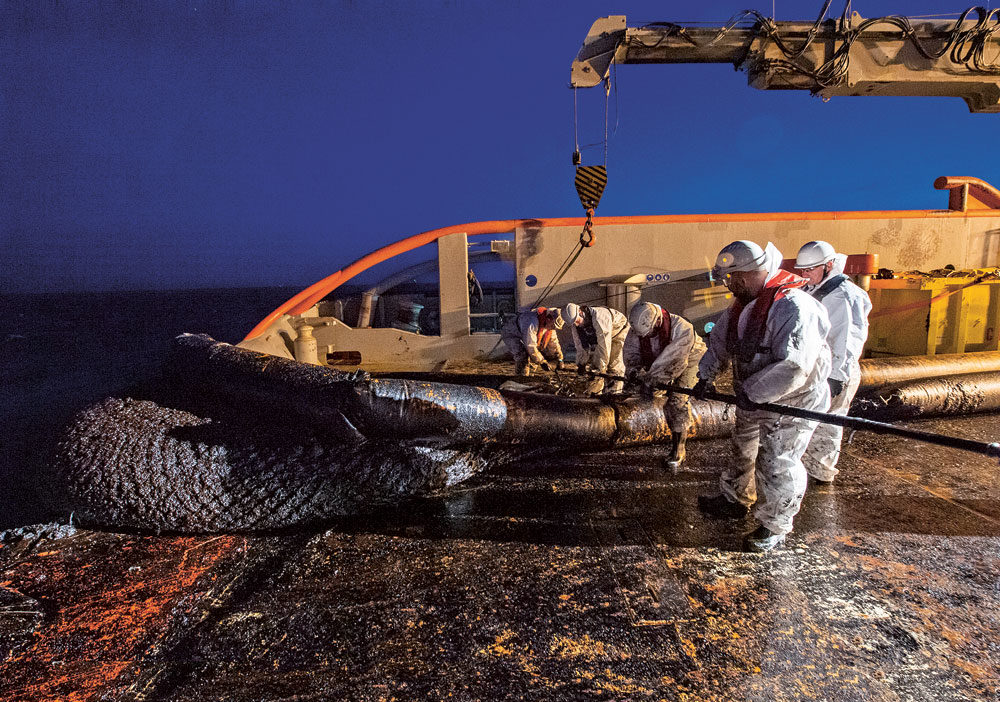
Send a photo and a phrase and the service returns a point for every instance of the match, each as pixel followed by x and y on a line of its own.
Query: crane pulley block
pixel 590 182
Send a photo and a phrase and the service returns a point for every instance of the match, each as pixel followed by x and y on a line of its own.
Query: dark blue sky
pixel 191 144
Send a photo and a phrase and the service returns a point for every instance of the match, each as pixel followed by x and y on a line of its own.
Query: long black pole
pixel 981 447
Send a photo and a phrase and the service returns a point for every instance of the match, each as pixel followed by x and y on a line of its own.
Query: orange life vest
pixel 746 348
pixel 543 334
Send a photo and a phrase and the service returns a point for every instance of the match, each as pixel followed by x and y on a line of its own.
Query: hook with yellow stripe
pixel 590 182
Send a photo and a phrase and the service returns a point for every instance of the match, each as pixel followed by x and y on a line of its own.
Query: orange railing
pixel 302 301
pixel 317 291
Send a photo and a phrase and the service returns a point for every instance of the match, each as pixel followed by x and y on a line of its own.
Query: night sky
pixel 182 144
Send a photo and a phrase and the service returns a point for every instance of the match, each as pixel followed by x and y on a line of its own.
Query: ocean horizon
pixel 61 352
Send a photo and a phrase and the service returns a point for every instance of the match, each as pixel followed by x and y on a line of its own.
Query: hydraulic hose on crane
pixel 891 55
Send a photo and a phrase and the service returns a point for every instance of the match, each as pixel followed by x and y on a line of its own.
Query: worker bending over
pixel 847 306
pixel 599 335
pixel 663 348
pixel 532 340
pixel 775 335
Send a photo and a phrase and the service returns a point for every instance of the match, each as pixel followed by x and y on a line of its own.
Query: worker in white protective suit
pixel 663 348
pixel 532 340
pixel 848 306
pixel 775 336
pixel 598 335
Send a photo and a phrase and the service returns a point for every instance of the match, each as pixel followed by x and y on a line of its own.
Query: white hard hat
pixel 644 317
pixel 813 254
pixel 740 256
pixel 570 312
pixel 556 316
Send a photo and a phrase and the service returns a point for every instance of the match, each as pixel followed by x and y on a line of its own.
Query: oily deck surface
pixel 588 577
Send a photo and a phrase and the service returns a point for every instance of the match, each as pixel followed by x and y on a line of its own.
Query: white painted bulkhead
pixel 674 257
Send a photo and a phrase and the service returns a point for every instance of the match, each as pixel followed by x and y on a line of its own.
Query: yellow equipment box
pixel 917 314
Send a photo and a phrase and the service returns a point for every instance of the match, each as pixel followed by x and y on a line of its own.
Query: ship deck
pixel 587 576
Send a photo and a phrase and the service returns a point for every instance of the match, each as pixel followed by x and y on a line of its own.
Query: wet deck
pixel 589 577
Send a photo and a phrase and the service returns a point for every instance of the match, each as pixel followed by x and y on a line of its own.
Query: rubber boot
pixel 721 507
pixel 678 451
pixel 762 539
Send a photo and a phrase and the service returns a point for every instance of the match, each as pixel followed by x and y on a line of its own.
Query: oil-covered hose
pixel 991 449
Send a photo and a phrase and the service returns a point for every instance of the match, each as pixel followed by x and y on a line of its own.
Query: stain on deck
pixel 584 577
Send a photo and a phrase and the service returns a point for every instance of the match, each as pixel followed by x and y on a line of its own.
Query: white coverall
pixel 608 328
pixel 520 335
pixel 676 362
pixel 790 367
pixel 847 306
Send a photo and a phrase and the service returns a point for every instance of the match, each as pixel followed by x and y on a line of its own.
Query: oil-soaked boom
pixel 829 57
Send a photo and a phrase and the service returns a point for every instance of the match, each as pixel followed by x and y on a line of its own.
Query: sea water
pixel 60 352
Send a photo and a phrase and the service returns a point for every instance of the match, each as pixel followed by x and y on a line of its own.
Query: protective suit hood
pixel 772 261
pixel 839 263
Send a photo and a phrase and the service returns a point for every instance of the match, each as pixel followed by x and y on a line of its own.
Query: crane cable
pixel 590 182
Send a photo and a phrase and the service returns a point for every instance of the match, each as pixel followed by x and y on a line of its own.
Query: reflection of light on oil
pixel 461 504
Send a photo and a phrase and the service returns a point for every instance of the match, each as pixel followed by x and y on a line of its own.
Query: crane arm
pixel 848 56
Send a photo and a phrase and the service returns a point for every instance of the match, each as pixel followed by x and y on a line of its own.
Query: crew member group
pixel 790 338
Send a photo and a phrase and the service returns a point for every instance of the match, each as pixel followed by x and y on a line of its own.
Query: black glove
pixel 581 369
pixel 647 391
pixel 560 365
pixel 836 387
pixel 743 402
pixel 544 365
pixel 701 387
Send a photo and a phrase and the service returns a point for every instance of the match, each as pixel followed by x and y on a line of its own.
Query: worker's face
pixel 815 274
pixel 653 330
pixel 578 321
pixel 745 285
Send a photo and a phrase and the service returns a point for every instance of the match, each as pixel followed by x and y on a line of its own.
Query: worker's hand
pixel 836 387
pixel 544 365
pixel 560 365
pixel 635 375
pixel 743 402
pixel 702 387
pixel 581 369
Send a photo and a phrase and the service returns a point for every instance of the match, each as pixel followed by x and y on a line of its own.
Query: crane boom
pixel 849 56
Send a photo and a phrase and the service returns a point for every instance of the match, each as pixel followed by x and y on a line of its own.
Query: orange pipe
pixel 979 189
pixel 317 291
pixel 857 264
